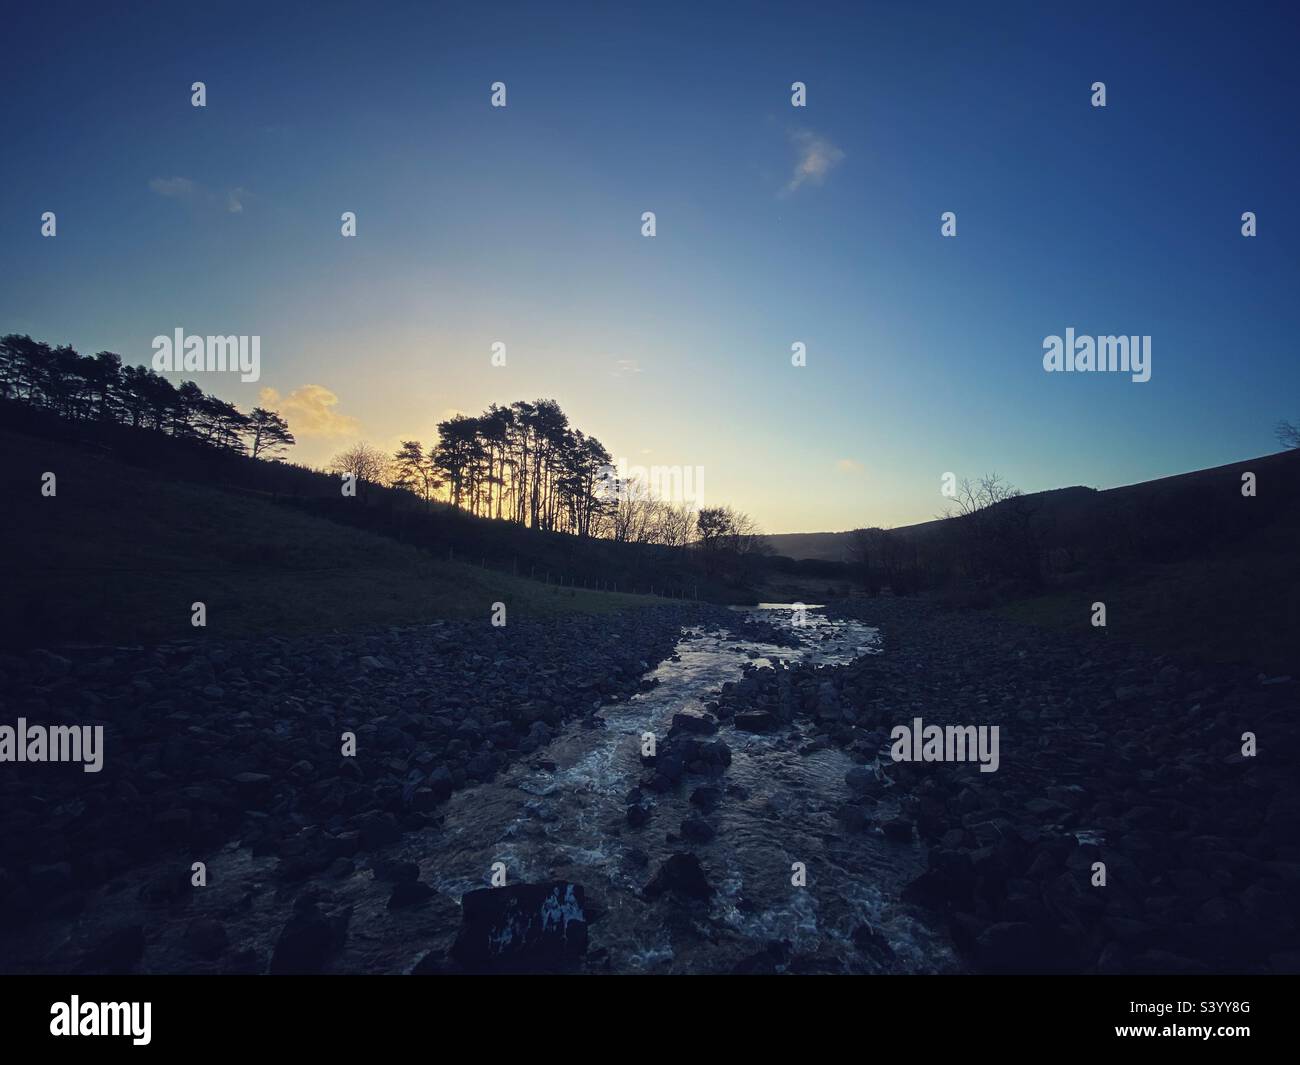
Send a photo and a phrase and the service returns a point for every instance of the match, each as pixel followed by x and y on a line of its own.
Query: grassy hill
pixel 1240 606
pixel 120 553
pixel 819 546
pixel 444 531
pixel 1186 565
pixel 1068 511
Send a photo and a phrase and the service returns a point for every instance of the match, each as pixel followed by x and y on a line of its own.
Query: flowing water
pixel 560 814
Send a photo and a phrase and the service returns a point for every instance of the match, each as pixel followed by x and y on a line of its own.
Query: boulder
pixel 309 938
pixel 695 724
pixel 526 927
pixel 409 893
pixel 697 830
pixel 682 876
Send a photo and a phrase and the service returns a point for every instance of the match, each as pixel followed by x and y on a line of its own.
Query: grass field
pixel 1239 608
pixel 119 555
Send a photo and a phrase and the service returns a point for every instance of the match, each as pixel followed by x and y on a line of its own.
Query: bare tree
pixel 729 540
pixel 1288 434
pixel 368 464
pixel 676 525
pixel 993 529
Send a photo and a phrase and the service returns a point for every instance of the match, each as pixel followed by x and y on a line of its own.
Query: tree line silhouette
pixel 527 465
pixel 101 388
pixel 523 464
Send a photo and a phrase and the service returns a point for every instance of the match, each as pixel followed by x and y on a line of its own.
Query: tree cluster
pixel 102 388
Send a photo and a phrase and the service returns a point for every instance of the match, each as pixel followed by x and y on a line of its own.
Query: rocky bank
pixel 1107 754
pixel 209 742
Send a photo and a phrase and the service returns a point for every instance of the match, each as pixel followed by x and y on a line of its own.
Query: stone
pixel 524 927
pixel 408 893
pixel 682 876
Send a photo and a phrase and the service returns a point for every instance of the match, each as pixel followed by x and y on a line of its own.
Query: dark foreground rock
pixel 682 876
pixel 758 631
pixel 525 927
pixel 117 952
pixel 309 938
pixel 407 893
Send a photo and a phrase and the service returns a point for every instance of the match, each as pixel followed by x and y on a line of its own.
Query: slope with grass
pixel 119 555
pixel 1240 607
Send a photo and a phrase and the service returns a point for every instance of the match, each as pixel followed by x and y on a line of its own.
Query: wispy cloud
pixel 174 188
pixel 625 368
pixel 815 157
pixel 309 410
pixel 849 466
pixel 187 190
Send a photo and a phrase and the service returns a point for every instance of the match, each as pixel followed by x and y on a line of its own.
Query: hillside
pixel 1067 509
pixel 443 530
pixel 1186 565
pixel 835 546
pixel 120 553
pixel 818 546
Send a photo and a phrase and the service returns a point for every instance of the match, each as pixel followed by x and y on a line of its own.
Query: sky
pixel 775 225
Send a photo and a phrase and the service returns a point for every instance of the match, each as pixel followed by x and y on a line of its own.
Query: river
pixel 560 814
pixel 778 808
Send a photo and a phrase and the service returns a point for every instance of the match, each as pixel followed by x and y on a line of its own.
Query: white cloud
pixel 625 368
pixel 190 191
pixel 849 466
pixel 816 157
pixel 174 188
pixel 309 410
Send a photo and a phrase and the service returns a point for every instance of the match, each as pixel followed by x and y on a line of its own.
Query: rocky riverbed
pixel 1107 755
pixel 211 742
pixel 767 829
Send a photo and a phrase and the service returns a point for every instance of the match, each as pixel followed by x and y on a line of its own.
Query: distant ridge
pixel 1062 506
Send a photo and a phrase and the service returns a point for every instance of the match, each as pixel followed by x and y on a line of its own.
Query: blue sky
pixel 522 225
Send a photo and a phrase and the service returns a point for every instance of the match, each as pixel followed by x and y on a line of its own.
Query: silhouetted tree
pixel 414 470
pixel 102 389
pixel 729 541
pixel 270 432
